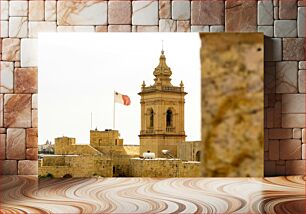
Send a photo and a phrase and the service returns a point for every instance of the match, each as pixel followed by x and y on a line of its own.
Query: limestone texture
pixel 232 104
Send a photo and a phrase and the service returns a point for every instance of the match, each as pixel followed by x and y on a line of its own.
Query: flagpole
pixel 114 113
pixel 90 120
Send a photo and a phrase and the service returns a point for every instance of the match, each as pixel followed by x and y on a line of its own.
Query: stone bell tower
pixel 162 113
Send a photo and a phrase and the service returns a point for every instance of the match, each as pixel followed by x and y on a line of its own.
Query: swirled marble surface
pixel 27 194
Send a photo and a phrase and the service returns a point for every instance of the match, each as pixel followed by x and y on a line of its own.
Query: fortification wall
pixel 55 171
pixel 77 166
pixel 53 160
pixel 190 169
pixel 76 149
pixel 160 167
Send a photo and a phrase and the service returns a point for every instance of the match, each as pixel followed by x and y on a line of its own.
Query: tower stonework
pixel 162 113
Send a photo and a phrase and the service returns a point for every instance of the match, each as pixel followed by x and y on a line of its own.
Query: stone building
pixel 107 156
pixel 47 148
pixel 108 143
pixel 105 152
pixel 162 113
pixel 190 151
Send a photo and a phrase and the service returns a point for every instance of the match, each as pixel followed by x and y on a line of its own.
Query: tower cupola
pixel 162 72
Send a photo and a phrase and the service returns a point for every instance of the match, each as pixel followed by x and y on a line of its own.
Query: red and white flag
pixel 123 99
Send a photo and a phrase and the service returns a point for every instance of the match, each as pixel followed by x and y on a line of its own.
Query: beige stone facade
pixel 106 156
pixel 75 166
pixel 109 144
pixel 67 146
pixel 162 113
pixel 190 151
pixel 105 152
pixel 162 167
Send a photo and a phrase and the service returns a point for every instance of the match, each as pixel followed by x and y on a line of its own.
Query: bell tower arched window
pixel 198 156
pixel 169 118
pixel 151 118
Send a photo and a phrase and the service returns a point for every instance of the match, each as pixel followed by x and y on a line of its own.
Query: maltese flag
pixel 123 99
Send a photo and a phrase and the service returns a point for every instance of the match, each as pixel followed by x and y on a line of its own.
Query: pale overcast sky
pixel 78 73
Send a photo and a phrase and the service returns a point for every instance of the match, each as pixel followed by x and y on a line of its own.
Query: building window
pixel 169 118
pixel 198 156
pixel 151 118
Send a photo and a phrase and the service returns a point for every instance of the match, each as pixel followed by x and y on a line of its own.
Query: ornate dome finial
pixel 162 69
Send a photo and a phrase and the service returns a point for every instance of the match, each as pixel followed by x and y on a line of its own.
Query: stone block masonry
pixel 282 21
pixel 76 166
pixel 163 168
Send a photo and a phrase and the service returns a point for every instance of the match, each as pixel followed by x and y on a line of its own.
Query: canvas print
pixel 119 108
